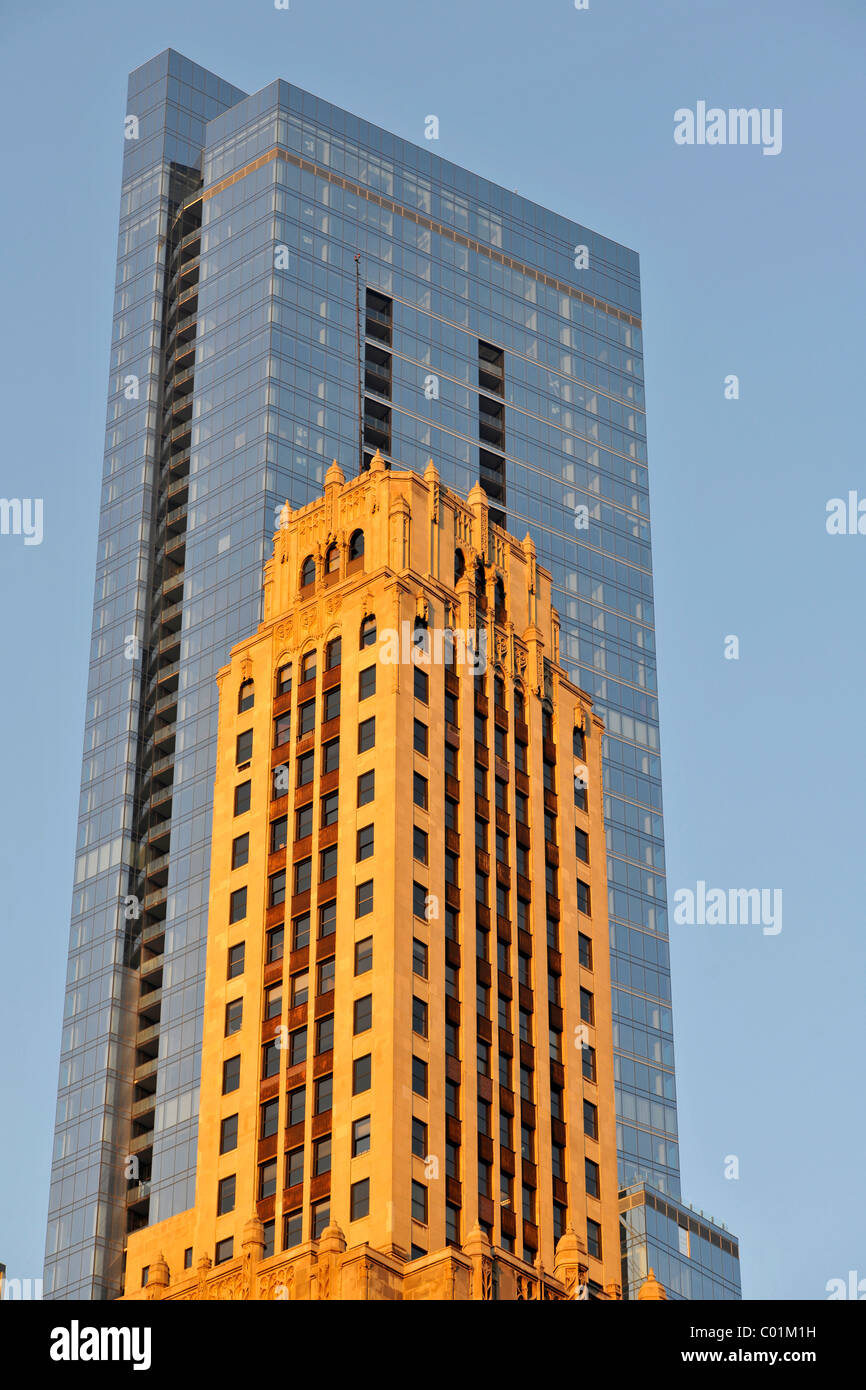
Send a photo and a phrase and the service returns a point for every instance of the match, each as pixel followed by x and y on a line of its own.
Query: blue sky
pixel 750 265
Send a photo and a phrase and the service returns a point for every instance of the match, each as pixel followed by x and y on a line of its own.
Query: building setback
pixel 499 338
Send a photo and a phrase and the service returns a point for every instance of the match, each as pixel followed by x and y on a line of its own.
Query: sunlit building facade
pixel 407 1069
pixel 495 336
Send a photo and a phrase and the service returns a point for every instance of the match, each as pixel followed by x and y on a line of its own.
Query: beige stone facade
pixel 407 1068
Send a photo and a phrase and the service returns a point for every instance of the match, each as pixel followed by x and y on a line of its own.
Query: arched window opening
pixel 356 545
pixel 246 696
pixel 308 572
pixel 368 632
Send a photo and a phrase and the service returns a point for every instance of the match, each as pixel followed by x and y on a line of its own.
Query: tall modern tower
pixel 497 337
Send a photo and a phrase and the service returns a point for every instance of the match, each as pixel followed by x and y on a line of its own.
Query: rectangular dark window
pixel 226 1195
pixel 277 888
pixel 330 809
pixel 420 737
pixel 323 1100
pixel 228 1134
pixel 279 781
pixel 364 848
pixel 234 1016
pixel 588 1062
pixel 270 1229
pixel 364 955
pixel 593 1239
pixel 231 1074
pixel 362 1017
pixel 238 905
pixel 330 756
pixel 240 851
pixel 270 1060
pixel 366 682
pixel 322 1156
pixel 269 1118
pixel 422 686
pixel 584 946
pixel 324 1034
pixel 274 1001
pixel 294 1167
pixel 593 1186
pixel 419 1076
pixel 326 974
pixel 419 1202
pixel 419 958
pixel 244 747
pixel 332 704
pixel 590 1119
pixel 282 729
pixel 359 1199
pixel 327 864
pixel 242 797
pixel 587 1006
pixel 275 944
pixel 284 679
pixel 301 931
pixel 279 833
pixel 303 875
pixel 485 1183
pixel 366 735
pixel 224 1251
pixel 297 1047
pixel 366 788
pixel 361 1074
pixel 364 898
pixel 419 790
pixel 361 1136
pixel 419 901
pixel 419 845
pixel 452 1099
pixel 328 919
pixel 419 1138
pixel 419 1017
pixel 296 1106
pixel 306 768
pixel 293 1227
pixel 308 667
pixel 235 961
pixel 582 896
pixel 581 845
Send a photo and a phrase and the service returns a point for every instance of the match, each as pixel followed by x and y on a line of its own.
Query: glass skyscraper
pixel 498 338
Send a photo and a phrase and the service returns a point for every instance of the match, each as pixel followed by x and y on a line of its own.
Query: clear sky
pixel 751 265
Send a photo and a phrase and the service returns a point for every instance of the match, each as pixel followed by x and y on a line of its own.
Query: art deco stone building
pixel 407 1071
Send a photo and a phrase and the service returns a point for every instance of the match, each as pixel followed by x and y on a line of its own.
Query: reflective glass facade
pixel 498 338
pixel 691 1256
